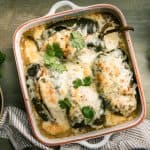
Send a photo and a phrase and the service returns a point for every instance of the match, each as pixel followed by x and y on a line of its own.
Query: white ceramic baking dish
pixel 53 16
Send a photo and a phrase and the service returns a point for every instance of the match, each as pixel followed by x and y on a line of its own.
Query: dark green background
pixel 16 12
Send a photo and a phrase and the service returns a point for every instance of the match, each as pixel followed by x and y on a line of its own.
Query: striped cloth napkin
pixel 14 126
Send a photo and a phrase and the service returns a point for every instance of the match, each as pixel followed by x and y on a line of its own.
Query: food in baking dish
pixel 78 75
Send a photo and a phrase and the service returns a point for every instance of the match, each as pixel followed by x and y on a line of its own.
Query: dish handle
pixel 61 4
pixel 95 145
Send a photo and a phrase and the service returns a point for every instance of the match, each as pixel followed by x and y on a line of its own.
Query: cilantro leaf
pixel 54 63
pixel 76 40
pixel 58 50
pixel 52 57
pixel 50 51
pixel 88 112
pixel 54 50
pixel 77 83
pixel 87 81
pixel 65 104
pixel 50 60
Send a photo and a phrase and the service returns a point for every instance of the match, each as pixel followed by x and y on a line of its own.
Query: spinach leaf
pixel 33 70
pixel 39 108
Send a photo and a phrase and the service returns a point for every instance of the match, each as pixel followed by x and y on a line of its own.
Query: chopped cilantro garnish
pixel 87 81
pixel 50 51
pixel 77 83
pixel 88 112
pixel 54 50
pixel 65 104
pixel 76 40
pixel 58 50
pixel 52 57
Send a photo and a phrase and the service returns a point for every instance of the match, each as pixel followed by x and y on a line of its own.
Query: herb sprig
pixel 87 81
pixel 76 40
pixel 65 103
pixel 52 57
pixel 88 112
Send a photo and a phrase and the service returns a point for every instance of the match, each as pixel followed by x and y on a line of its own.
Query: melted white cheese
pixel 111 40
pixel 54 86
pixel 50 98
pixel 87 96
pixel 87 56
pixel 114 78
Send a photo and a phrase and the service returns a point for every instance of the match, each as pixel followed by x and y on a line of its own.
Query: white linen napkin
pixel 15 127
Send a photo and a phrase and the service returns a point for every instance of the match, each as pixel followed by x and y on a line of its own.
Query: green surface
pixel 16 12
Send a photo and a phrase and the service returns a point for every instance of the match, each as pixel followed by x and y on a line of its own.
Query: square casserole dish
pixel 74 12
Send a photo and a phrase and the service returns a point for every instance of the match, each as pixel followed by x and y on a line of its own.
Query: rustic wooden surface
pixel 15 12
